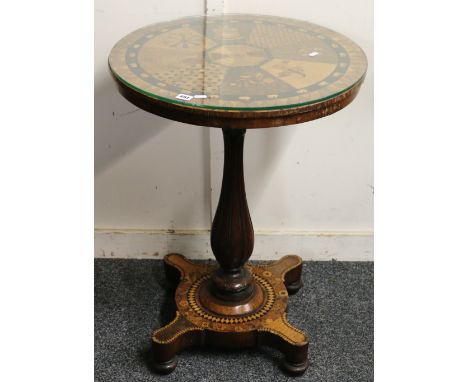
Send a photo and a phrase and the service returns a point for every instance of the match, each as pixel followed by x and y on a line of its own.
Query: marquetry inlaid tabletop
pixel 238 62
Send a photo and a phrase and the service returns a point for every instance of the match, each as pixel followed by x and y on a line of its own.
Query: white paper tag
pixel 313 54
pixel 184 97
pixel 200 96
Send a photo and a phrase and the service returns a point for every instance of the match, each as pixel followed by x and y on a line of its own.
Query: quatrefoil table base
pixel 261 320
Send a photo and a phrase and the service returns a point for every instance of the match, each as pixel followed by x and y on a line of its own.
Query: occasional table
pixel 235 72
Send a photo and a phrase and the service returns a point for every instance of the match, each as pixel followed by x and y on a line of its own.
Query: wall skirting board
pixel 269 245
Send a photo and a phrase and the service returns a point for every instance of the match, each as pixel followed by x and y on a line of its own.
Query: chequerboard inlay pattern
pixel 238 62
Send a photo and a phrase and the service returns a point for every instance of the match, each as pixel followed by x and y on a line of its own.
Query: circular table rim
pixel 215 116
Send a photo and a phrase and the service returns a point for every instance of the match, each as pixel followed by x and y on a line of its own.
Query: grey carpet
pixel 335 308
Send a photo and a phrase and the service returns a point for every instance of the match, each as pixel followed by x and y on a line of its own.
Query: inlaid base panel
pixel 202 320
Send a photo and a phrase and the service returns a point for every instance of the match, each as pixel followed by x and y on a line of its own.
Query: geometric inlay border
pixel 270 299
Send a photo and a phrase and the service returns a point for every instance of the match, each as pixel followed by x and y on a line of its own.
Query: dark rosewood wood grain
pixel 233 305
pixel 232 234
pixel 235 119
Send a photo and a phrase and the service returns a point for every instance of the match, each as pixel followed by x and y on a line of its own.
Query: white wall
pixel 153 174
pixel 149 172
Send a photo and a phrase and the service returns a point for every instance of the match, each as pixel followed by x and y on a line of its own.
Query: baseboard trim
pixel 195 244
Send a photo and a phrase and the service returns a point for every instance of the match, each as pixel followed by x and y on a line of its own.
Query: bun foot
pixel 165 367
pixel 295 369
pixel 294 287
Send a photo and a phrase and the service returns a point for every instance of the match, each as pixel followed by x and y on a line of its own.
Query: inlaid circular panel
pixel 238 62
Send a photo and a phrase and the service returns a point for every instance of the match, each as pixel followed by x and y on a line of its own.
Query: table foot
pixel 290 269
pixel 166 367
pixel 170 340
pixel 291 341
pixel 201 320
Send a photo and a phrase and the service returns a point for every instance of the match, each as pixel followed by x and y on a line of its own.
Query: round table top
pixel 238 70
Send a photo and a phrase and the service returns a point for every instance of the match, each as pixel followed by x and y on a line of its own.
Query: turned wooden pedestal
pixel 235 305
pixel 235 72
